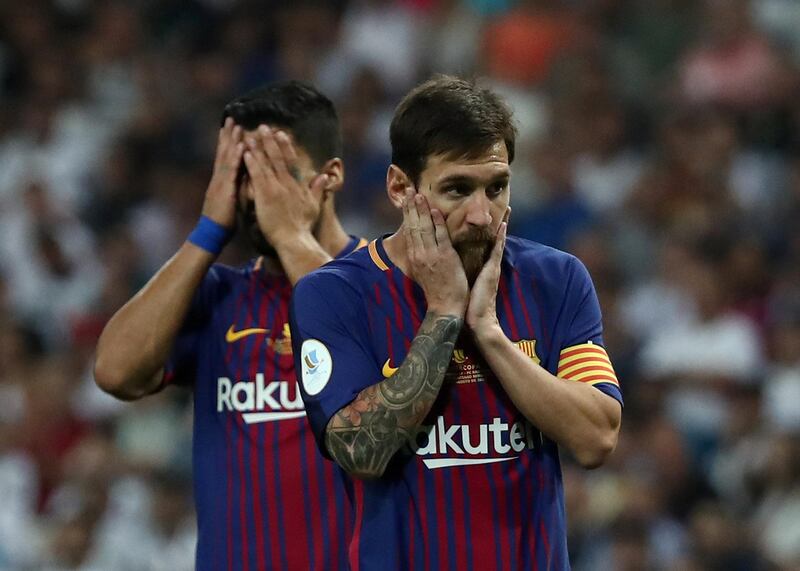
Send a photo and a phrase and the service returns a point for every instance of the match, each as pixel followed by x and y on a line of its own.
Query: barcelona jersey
pixel 265 497
pixel 480 486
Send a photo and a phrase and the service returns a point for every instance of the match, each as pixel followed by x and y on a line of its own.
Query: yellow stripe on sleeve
pixel 587 363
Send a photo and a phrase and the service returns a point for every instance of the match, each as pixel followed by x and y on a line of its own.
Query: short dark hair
pixel 296 106
pixel 448 116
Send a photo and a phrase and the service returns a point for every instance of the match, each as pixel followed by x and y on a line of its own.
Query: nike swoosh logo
pixel 435 463
pixel 231 335
pixel 387 370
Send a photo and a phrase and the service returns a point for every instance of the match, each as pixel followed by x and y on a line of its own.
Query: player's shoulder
pixel 537 260
pixel 222 280
pixel 346 274
pixel 222 274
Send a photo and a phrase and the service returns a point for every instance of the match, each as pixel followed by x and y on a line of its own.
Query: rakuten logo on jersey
pixel 260 401
pixel 469 445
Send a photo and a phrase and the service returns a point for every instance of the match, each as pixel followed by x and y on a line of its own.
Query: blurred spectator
pixel 53 274
pixel 20 540
pixel 779 508
pixel 606 170
pixel 378 34
pixel 110 50
pixel 660 302
pixel 657 31
pixel 48 426
pixel 733 65
pixel 559 214
pixel 715 344
pixel 782 384
pixel 721 542
pixel 453 38
pixel 781 20
pixel 520 46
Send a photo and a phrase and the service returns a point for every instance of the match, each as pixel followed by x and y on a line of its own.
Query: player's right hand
pixel 286 207
pixel 220 201
pixel 434 263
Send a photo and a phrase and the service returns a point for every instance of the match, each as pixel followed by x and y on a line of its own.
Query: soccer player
pixel 442 366
pixel 265 497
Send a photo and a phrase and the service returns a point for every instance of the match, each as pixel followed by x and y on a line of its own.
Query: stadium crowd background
pixel 659 142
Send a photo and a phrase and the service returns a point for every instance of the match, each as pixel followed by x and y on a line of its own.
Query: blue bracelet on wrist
pixel 209 235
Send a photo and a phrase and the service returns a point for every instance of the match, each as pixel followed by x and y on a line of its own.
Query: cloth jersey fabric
pixel 480 488
pixel 265 497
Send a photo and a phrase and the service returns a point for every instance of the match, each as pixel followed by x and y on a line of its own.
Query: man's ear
pixel 334 168
pixel 397 182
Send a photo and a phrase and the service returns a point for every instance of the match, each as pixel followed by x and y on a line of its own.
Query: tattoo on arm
pixel 363 436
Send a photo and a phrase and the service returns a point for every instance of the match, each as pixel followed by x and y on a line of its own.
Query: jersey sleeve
pixel 332 361
pixel 181 366
pixel 582 357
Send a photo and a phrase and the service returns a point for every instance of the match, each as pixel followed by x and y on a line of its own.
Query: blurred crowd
pixel 659 142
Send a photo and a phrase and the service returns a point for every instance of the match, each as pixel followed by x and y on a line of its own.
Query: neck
pixel 395 246
pixel 328 232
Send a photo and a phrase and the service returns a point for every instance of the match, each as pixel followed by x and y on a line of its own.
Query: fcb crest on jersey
pixel 282 345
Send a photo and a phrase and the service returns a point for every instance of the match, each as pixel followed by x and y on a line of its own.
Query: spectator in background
pixel 733 65
pixel 52 271
pixel 520 46
pixel 453 38
pixel 382 35
pixel 703 360
pixel 559 213
pixel 606 170
pixel 779 506
pixel 20 538
pixel 782 383
pixel 721 542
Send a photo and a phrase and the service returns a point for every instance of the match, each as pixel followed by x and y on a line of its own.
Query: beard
pixel 248 222
pixel 474 248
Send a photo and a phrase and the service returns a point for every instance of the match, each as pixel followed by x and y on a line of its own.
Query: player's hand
pixel 220 200
pixel 434 264
pixel 285 207
pixel 481 311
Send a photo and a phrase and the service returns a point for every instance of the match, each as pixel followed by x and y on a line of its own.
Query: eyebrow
pixel 464 179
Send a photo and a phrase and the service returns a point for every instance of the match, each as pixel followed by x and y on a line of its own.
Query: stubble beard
pixel 248 222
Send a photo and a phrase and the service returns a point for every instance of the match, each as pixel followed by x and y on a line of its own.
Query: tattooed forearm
pixel 364 435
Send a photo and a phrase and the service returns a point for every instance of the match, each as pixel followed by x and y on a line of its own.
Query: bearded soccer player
pixel 443 365
pixel 265 497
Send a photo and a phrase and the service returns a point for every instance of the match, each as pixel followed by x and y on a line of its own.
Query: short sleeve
pixel 329 332
pixel 181 366
pixel 582 357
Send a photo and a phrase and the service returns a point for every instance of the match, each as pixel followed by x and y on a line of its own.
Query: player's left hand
pixel 481 311
pixel 285 207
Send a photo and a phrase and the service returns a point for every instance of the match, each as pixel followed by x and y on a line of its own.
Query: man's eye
pixel 457 189
pixel 496 189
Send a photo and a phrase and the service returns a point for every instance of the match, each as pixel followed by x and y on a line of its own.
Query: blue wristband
pixel 209 235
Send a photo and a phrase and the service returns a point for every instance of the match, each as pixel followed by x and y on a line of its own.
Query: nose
pixel 478 210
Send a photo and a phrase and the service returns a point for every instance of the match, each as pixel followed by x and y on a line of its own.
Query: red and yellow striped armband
pixel 586 363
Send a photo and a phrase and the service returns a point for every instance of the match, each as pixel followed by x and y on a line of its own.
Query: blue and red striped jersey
pixel 265 497
pixel 480 488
